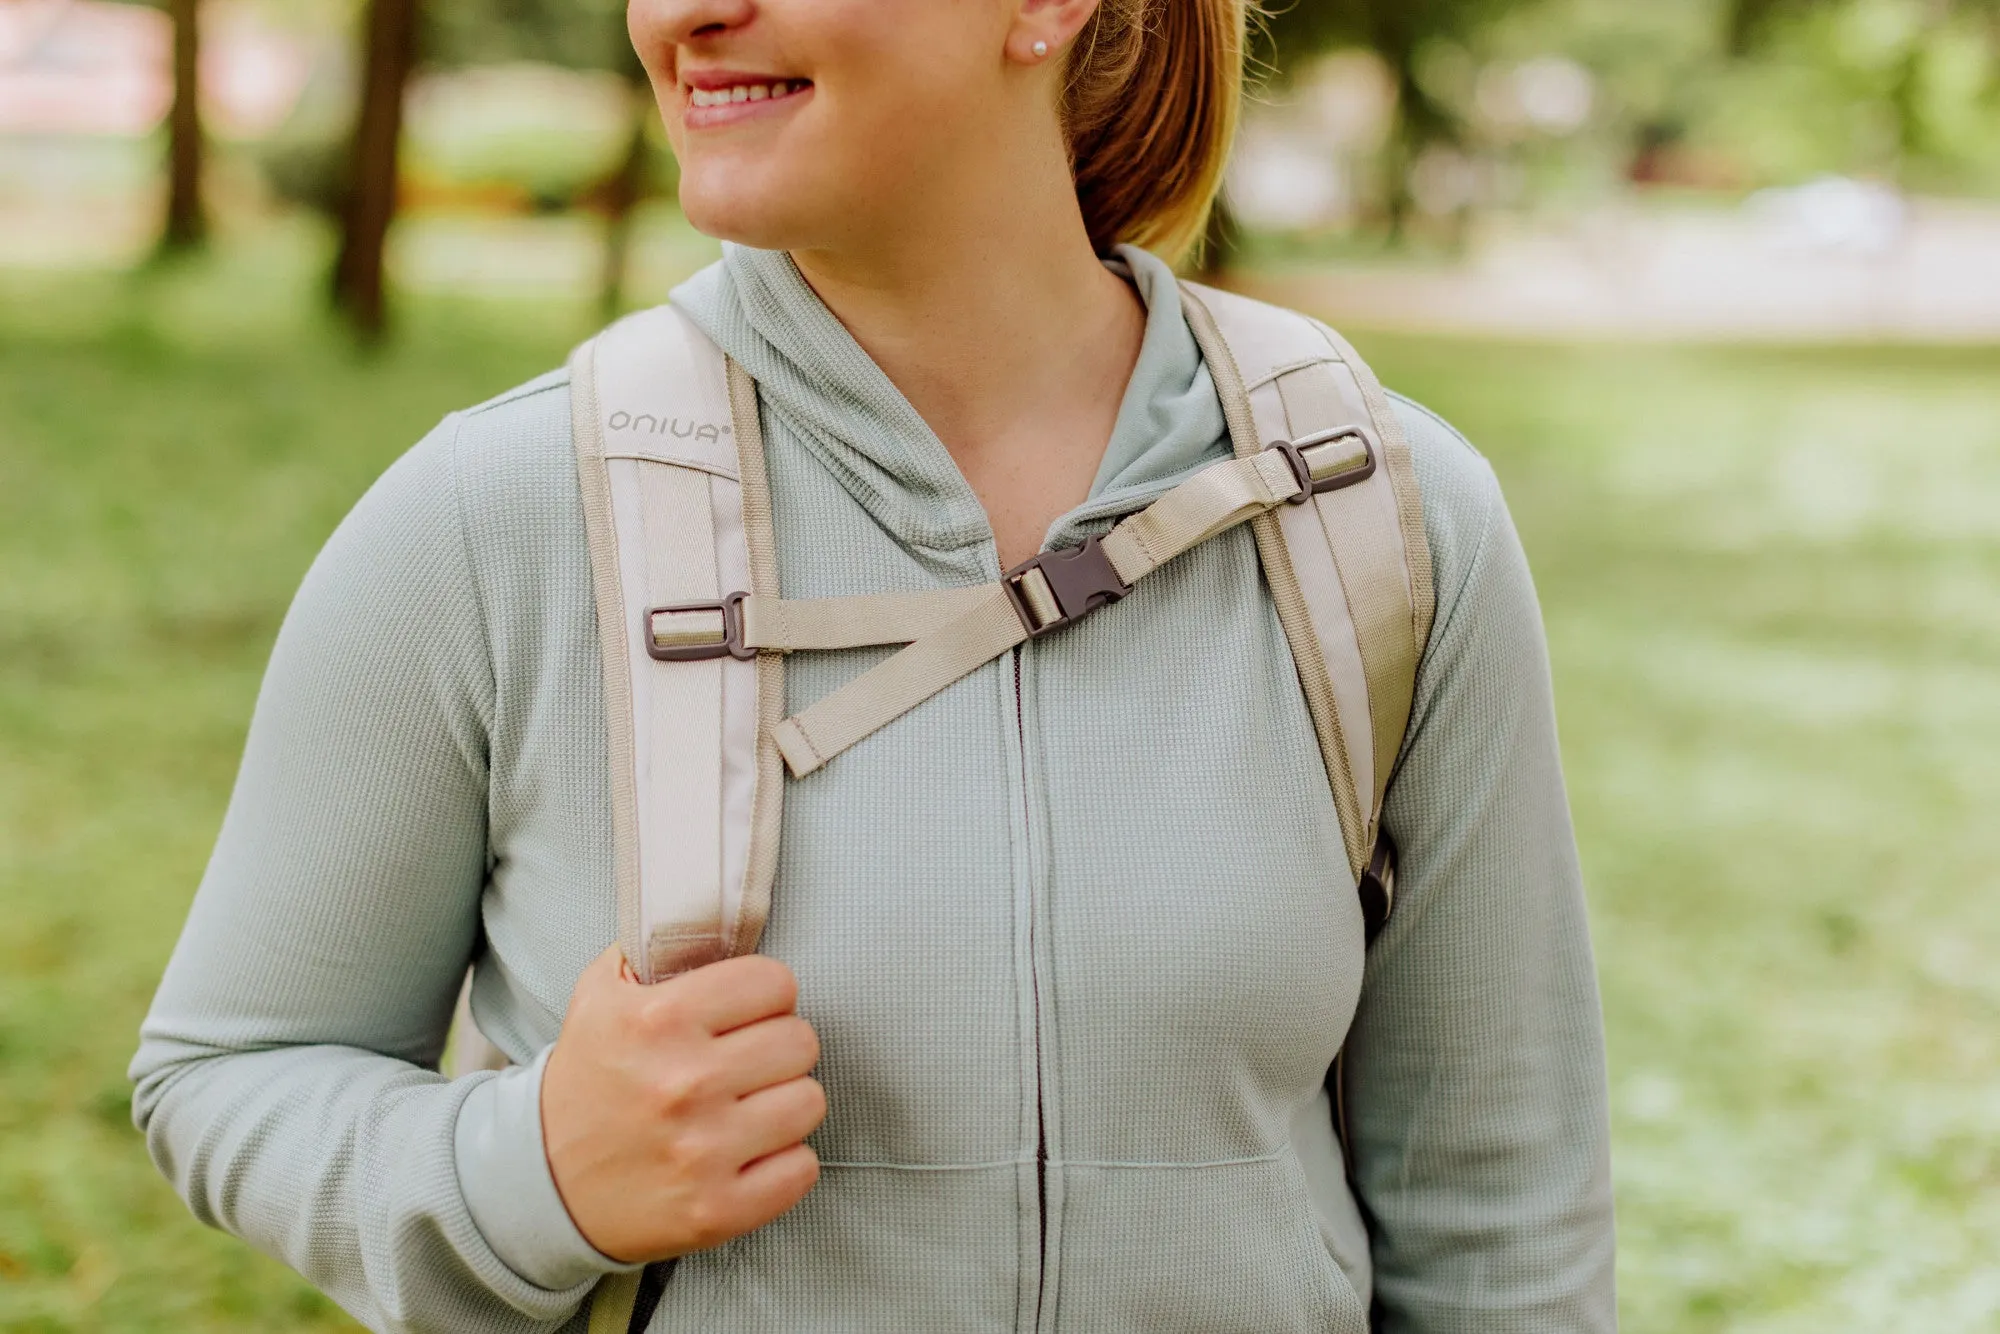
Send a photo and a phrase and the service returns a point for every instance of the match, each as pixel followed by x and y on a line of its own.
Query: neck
pixel 984 291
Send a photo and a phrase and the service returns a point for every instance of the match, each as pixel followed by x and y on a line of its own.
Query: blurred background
pixel 1714 283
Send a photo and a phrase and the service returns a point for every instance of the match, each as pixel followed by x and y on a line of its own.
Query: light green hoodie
pixel 1078 934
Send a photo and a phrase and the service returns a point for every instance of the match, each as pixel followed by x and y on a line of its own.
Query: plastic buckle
pixel 1075 580
pixel 721 637
pixel 1309 486
pixel 1377 887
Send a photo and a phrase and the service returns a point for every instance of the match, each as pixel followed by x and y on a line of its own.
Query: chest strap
pixel 953 632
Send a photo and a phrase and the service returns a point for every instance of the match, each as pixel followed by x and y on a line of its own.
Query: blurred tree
pixel 1748 20
pixel 627 188
pixel 1403 33
pixel 576 34
pixel 370 204
pixel 1896 66
pixel 186 221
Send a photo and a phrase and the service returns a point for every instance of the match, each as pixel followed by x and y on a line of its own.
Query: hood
pixel 834 398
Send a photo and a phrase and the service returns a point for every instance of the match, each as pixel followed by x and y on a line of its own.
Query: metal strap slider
pixel 1055 588
pixel 1328 460
pixel 697 631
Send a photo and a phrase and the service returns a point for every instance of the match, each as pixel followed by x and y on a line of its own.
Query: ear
pixel 1043 28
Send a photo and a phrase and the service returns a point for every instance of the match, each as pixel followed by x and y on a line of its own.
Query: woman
pixel 1070 948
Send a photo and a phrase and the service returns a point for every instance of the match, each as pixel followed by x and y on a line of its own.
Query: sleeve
pixel 1476 1085
pixel 285 1075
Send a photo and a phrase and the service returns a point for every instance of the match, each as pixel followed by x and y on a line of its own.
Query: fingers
pixel 776 1182
pixel 772 1119
pixel 724 996
pixel 767 1052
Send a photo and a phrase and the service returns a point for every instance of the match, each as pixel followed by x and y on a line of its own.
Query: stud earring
pixel 1040 49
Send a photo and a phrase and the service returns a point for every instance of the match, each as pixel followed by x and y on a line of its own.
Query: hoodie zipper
pixel 1035 1010
pixel 1116 506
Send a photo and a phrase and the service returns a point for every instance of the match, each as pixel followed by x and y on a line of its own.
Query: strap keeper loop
pixel 1320 468
pixel 697 631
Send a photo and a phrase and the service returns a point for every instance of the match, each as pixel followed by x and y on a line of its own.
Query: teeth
pixel 744 92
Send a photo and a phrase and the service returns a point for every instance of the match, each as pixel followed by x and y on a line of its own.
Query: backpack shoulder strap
pixel 670 462
pixel 1350 571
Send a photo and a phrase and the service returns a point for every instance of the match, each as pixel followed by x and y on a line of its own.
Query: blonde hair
pixel 1150 105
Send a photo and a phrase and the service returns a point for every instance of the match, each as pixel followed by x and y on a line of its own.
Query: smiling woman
pixel 1066 759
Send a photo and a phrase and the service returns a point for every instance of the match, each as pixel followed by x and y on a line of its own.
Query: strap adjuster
pixel 1057 587
pixel 696 631
pixel 1320 465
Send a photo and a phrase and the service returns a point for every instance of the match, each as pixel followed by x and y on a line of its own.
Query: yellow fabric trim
pixel 611 1305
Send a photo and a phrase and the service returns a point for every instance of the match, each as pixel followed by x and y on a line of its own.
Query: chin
pixel 737 210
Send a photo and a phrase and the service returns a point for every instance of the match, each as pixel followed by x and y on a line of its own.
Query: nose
pixel 659 26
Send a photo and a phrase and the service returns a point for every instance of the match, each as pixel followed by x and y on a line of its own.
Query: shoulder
pixel 1465 514
pixel 1461 496
pixel 510 463
pixel 522 431
pixel 483 453
pixel 491 488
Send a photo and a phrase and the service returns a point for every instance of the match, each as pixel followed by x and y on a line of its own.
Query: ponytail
pixel 1150 107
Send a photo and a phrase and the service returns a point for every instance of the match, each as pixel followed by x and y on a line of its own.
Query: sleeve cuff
pixel 503 1172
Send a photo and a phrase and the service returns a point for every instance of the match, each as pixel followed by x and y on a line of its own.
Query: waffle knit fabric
pixel 1077 934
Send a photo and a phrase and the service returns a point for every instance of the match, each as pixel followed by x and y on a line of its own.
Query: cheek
pixel 849 157
pixel 647 23
pixel 903 90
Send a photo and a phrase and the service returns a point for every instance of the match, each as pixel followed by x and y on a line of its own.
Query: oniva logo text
pixel 647 424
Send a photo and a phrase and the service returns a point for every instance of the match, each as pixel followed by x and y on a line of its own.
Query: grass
pixel 1772 585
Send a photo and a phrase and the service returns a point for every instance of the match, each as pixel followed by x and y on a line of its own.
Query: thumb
pixel 602 976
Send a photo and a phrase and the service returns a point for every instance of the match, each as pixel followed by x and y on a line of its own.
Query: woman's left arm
pixel 1475 1068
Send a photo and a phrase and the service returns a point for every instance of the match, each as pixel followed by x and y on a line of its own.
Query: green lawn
pixel 1772 581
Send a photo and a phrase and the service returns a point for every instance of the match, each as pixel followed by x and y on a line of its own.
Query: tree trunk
pixel 186 222
pixel 623 193
pixel 371 182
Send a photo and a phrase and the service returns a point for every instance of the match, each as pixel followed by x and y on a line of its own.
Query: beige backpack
pixel 694 634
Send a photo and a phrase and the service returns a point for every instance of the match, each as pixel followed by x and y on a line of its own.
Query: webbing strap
pixel 767 787
pixel 1214 500
pixel 1372 576
pixel 791 625
pixel 887 691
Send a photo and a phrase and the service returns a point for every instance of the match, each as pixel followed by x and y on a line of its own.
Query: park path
pixel 1929 271
pixel 1924 270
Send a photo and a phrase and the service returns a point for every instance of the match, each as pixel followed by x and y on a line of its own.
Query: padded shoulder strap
pixel 670 461
pixel 1350 571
